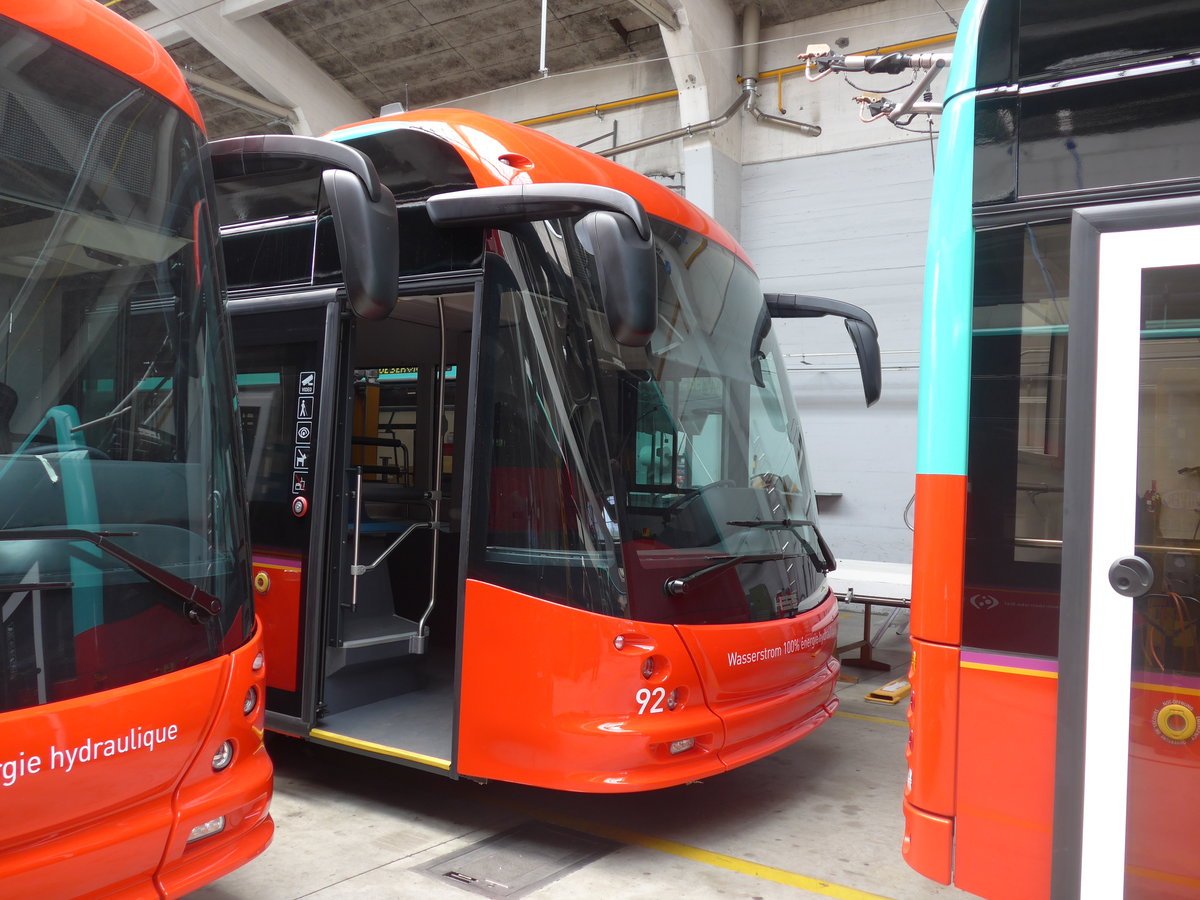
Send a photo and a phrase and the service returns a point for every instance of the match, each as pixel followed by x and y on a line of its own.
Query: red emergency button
pixel 300 507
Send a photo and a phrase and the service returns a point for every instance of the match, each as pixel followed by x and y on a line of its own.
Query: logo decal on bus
pixel 984 601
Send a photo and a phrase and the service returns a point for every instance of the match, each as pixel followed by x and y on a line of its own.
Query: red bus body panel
pixel 1005 788
pixel 548 698
pixel 928 845
pixel 278 604
pixel 932 751
pixel 771 683
pixel 124 775
pixel 104 35
pixel 937 571
pixel 1164 794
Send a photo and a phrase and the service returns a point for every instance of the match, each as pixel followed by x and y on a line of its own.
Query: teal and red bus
pixel 544 515
pixel 1056 594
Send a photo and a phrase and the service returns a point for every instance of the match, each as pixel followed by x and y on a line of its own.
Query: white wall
pixel 850 226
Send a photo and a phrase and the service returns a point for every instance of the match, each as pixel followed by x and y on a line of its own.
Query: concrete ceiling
pixel 309 65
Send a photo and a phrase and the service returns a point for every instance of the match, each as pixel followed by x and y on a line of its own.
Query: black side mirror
pixel 628 269
pixel 859 325
pixel 363 209
pixel 614 229
pixel 368 243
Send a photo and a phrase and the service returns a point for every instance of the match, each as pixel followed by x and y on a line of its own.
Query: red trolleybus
pixel 132 676
pixel 1056 595
pixel 545 515
pixel 131 673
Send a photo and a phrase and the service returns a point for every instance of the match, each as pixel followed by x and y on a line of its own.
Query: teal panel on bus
pixel 945 381
pixel 351 132
pixel 944 391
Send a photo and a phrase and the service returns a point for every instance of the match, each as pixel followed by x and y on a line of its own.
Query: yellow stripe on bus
pixel 1037 673
pixel 1165 877
pixel 278 567
pixel 1167 689
pixel 1011 670
pixel 382 749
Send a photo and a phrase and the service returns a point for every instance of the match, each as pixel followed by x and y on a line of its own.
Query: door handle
pixel 1131 576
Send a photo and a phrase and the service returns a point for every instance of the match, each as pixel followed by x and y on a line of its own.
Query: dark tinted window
pixel 415 166
pixel 1016 451
pixel 995 169
pixel 278 358
pixel 997 44
pixel 270 257
pixel 1061 36
pixel 1129 131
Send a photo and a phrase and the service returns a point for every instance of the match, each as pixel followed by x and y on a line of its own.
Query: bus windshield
pixel 666 483
pixel 121 552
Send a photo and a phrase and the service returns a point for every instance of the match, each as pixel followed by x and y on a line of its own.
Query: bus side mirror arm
pixel 859 325
pixel 363 209
pixel 614 229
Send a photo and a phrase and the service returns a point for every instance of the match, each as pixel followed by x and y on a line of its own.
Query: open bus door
pixel 350 433
pixel 358 438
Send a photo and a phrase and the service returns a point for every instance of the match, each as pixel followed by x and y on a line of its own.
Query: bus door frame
pixel 338 550
pixel 319 570
pixel 1096 622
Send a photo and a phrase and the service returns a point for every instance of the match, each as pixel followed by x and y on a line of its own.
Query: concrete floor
pixel 819 819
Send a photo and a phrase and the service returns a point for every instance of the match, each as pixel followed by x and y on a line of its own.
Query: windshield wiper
pixel 826 563
pixel 673 587
pixel 184 590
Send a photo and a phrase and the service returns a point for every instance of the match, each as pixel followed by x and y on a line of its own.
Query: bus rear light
pixel 259 662
pixel 251 701
pixel 682 745
pixel 208 829
pixel 223 757
pixel 648 667
pixel 673 699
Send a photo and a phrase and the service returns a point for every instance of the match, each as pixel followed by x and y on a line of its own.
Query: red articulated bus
pixel 543 514
pixel 1055 750
pixel 131 670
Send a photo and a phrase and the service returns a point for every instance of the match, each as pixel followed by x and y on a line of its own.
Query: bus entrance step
pixel 366 630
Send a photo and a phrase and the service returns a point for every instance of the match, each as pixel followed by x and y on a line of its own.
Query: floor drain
pixel 518 861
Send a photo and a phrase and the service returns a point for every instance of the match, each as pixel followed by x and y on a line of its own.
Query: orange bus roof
pixel 500 153
pixel 105 36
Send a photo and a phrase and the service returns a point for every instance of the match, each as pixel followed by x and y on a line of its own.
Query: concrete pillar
pixel 704 61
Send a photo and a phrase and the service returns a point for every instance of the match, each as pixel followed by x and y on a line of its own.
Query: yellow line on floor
pixel 719 860
pixel 850 715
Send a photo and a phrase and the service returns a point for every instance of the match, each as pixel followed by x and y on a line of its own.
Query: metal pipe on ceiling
pixel 685 131
pixel 747 98
pixel 598 108
pixel 751 30
pixel 242 99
